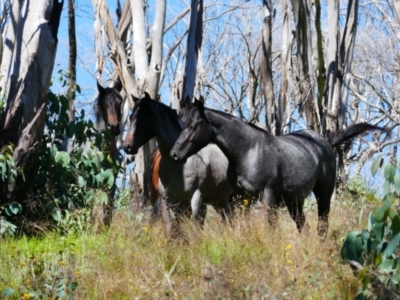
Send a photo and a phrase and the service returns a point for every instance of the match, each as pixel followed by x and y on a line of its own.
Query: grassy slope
pixel 131 260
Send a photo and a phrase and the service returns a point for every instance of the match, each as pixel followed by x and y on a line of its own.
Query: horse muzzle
pixel 176 157
pixel 130 150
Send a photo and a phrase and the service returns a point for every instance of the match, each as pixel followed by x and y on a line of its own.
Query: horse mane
pixel 230 116
pixel 170 112
pixel 99 119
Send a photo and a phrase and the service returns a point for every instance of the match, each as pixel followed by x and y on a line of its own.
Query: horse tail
pixel 339 137
pixel 154 168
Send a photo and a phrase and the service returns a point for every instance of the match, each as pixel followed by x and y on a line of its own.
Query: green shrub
pixel 69 184
pixel 374 252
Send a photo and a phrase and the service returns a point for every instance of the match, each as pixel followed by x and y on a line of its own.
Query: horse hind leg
pixel 323 195
pixel 296 211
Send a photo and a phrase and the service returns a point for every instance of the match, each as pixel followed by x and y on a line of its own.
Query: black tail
pixel 342 136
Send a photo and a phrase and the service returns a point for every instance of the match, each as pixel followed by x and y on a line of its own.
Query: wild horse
pixel 201 180
pixel 108 117
pixel 285 169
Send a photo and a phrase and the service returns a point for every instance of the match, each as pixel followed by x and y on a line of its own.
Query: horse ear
pixel 202 100
pixel 147 96
pixel 100 88
pixel 134 98
pixel 199 103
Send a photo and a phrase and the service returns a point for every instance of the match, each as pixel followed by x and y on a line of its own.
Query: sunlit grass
pixel 133 259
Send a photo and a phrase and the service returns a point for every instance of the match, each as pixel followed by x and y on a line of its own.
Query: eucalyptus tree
pixel 30 46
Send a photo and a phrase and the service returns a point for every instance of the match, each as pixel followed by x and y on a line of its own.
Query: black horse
pixel 285 169
pixel 187 187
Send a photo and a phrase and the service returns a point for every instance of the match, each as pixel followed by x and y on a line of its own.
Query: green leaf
pixel 379 214
pixel 395 279
pixel 389 172
pixel 348 250
pixel 386 266
pixel 89 154
pixel 395 224
pixel 397 184
pixel 72 286
pixel 81 181
pixel 99 178
pixel 110 180
pixel 386 187
pixel 66 159
pixel 103 198
pixel 371 221
pixel 392 246
pixel 58 157
pixel 13 209
pixel 379 230
pixel 8 292
pixel 100 155
pixel 376 165
pixel 56 215
pixel 365 235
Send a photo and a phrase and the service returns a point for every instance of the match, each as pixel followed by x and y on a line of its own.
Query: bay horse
pixel 284 169
pixel 187 187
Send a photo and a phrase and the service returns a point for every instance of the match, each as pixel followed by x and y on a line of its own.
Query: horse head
pixel 109 104
pixel 141 128
pixel 196 134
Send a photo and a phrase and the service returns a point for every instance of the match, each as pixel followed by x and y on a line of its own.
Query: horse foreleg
pixel 225 210
pixel 175 230
pixel 199 210
pixel 269 200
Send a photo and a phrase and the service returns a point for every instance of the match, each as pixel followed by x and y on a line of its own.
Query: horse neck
pixel 166 128
pixel 234 136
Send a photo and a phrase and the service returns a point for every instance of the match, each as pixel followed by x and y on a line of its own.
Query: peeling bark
pixel 267 86
pixel 23 125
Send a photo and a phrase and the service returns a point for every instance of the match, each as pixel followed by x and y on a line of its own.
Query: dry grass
pixel 249 260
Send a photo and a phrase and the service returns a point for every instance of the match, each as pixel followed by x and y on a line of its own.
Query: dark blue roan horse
pixel 284 169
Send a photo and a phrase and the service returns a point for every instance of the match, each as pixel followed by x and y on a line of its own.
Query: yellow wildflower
pixel 145 228
pixel 63 263
pixel 27 296
pixel 288 247
pixel 289 261
pixel 77 273
pixel 246 202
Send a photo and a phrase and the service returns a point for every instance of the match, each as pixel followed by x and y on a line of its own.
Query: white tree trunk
pixel 332 100
pixel 266 70
pixel 139 42
pixel 346 53
pixel 154 73
pixel 23 126
pixel 9 43
pixel 285 68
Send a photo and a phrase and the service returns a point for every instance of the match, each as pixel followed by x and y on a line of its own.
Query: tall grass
pixel 134 260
